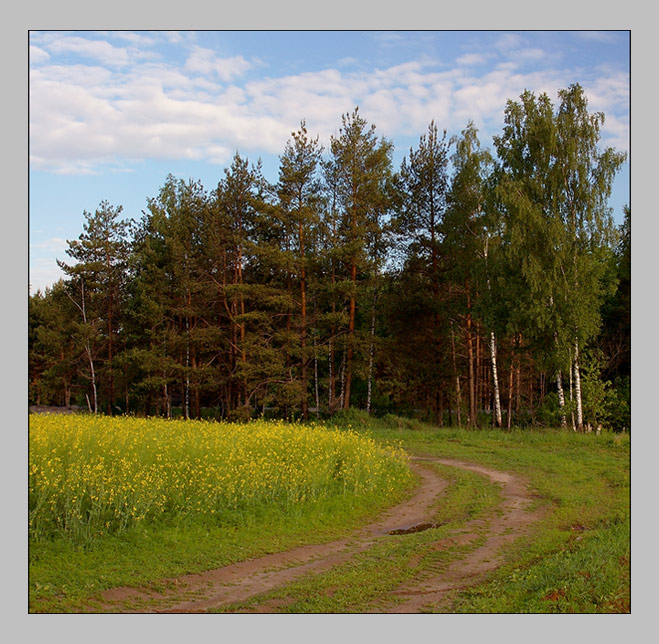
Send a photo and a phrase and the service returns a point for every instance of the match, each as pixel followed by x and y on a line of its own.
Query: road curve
pixel 200 592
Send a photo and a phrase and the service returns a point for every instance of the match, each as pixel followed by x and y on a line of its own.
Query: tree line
pixel 467 287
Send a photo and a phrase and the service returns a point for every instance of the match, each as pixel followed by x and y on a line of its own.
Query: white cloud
pixel 205 61
pixel 43 274
pixel 54 244
pixel 531 54
pixel 508 42
pixel 100 50
pixel 471 59
pixel 83 117
pixel 38 55
pixel 598 36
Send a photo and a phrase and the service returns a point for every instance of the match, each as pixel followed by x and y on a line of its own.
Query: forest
pixel 471 286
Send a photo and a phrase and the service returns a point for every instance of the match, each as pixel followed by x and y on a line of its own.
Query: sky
pixel 112 113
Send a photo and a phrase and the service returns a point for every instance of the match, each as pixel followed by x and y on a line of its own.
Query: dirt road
pixel 198 593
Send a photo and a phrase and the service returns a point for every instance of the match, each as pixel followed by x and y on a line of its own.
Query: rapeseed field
pixel 91 476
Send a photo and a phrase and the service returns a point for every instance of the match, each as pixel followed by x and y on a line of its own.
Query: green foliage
pixel 347 284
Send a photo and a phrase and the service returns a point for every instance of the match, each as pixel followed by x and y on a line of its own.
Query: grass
pixel 360 584
pixel 575 560
pixel 120 501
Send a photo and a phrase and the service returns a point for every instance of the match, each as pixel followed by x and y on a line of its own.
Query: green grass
pixel 360 584
pixel 129 501
pixel 575 560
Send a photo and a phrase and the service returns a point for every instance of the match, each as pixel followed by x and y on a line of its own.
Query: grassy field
pixel 129 502
pixel 116 501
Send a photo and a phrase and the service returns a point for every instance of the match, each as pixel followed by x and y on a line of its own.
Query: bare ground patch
pixel 201 592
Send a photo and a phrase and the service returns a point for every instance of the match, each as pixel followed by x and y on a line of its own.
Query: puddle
pixel 420 527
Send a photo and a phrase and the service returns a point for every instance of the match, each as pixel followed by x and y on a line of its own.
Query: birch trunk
pixel 561 398
pixel 577 387
pixel 493 350
pixel 342 377
pixel 347 374
pixel 470 359
pixel 332 378
pixel 510 393
pixel 495 379
pixel 187 370
pixel 559 381
pixel 83 309
pixel 574 427
pixel 315 375
pixel 303 320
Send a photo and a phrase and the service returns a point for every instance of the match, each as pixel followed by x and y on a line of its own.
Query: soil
pixel 46 409
pixel 198 593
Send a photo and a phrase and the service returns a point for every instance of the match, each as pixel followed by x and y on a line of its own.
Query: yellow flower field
pixel 90 476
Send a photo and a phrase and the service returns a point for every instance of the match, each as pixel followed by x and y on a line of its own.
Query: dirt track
pixel 197 593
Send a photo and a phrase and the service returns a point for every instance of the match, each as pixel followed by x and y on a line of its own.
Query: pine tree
pixel 361 166
pixel 96 282
pixel 423 184
pixel 298 191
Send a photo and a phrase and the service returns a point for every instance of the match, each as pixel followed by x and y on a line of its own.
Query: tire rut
pixel 432 592
pixel 201 592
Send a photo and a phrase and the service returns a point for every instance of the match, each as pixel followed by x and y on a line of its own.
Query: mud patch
pixel 420 527
pixel 238 582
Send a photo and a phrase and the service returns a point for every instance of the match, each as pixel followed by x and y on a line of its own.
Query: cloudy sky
pixel 112 113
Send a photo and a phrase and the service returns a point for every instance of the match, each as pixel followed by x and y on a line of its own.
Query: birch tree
pixel 554 188
pixel 97 279
pixel 467 245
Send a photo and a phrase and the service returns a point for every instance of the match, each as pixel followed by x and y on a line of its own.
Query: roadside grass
pixel 290 485
pixel 360 584
pixel 576 559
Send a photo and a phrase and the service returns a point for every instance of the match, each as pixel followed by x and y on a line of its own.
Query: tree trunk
pixel 574 427
pixel 342 377
pixel 495 380
pixel 478 384
pixel 303 324
pixel 315 375
pixel 88 351
pixel 186 391
pixel 456 375
pixel 371 352
pixel 510 392
pixel 517 376
pixel 351 337
pixel 561 398
pixel 577 387
pixel 470 361
pixel 331 391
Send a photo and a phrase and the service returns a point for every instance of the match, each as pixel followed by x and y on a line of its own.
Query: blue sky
pixel 112 113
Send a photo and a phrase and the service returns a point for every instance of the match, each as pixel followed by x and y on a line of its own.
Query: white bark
pixel 493 351
pixel 343 379
pixel 83 309
pixel 330 366
pixel 574 427
pixel 561 397
pixel 495 378
pixel 577 387
pixel 458 396
pixel 315 375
